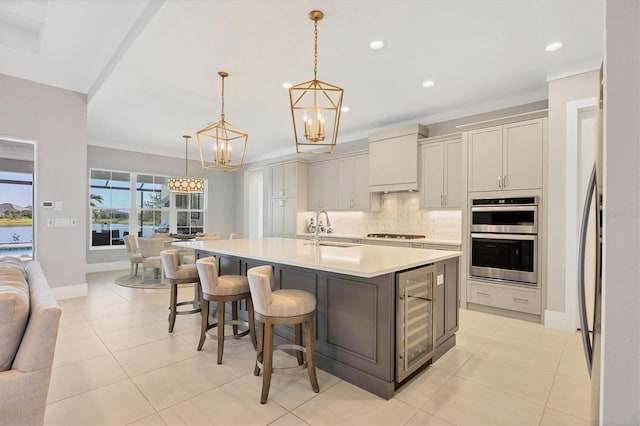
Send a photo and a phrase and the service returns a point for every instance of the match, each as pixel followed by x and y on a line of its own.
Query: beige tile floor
pixel 116 364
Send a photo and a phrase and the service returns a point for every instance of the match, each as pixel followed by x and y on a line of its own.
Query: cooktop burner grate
pixel 396 236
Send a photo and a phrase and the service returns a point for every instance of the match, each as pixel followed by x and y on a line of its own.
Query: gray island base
pixel 360 319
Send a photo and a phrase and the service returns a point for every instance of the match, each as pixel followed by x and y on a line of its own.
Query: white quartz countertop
pixel 403 240
pixel 365 261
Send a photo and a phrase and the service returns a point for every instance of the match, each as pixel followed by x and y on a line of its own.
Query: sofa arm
pixel 39 341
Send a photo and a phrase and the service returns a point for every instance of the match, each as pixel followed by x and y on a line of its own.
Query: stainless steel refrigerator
pixel 590 279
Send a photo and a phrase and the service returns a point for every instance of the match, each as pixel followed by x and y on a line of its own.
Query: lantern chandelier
pixel 224 142
pixel 315 107
pixel 186 184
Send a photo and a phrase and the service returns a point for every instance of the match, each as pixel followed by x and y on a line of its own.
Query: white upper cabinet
pixel 341 184
pixel 323 185
pixel 441 183
pixel 288 195
pixel 283 180
pixel 506 157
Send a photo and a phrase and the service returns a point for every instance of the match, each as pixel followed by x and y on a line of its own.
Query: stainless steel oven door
pixel 505 219
pixel 504 257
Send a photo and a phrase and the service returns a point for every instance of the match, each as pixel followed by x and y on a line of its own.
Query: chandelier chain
pixel 186 153
pixel 222 113
pixel 315 49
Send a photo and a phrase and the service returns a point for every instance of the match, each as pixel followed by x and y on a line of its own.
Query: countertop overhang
pixel 364 261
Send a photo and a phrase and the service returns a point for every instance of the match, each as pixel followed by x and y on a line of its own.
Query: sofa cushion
pixel 12 263
pixel 14 310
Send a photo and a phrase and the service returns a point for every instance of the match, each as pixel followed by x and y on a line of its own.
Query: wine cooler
pixel 414 320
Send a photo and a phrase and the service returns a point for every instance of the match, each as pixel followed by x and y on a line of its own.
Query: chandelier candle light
pixel 186 184
pixel 226 138
pixel 315 106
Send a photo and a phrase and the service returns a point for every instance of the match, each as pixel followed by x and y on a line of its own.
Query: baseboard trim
pixel 70 291
pixel 107 266
pixel 558 320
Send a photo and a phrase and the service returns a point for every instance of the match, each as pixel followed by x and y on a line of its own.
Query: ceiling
pixel 149 67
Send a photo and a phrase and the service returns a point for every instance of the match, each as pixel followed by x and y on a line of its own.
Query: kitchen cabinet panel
pixel 441 183
pixel 522 168
pixel 507 157
pixel 323 185
pixel 447 300
pixel 288 196
pixel 485 159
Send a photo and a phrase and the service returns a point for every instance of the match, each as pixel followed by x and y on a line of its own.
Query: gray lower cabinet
pixel 355 318
pixel 447 296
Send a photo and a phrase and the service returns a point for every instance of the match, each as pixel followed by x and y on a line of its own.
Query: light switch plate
pixel 440 279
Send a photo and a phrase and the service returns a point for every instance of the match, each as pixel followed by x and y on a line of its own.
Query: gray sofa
pixel 27 342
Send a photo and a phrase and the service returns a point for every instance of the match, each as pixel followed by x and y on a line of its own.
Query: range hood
pixel 393 159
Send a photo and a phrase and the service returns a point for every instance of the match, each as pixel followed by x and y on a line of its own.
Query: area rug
pixel 135 282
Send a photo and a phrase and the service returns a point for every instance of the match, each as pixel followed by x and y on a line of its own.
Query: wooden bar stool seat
pixel 177 274
pixel 281 307
pixel 222 289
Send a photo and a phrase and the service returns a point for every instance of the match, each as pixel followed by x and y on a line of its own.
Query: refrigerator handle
pixel 584 325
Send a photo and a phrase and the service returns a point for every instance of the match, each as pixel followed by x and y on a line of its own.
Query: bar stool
pixel 222 289
pixel 281 307
pixel 179 274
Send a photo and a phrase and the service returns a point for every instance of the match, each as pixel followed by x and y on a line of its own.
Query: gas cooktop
pixel 396 236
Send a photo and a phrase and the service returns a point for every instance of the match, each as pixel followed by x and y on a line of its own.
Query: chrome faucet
pixel 326 215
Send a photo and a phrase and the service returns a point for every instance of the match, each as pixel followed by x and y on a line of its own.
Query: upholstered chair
pixel 178 273
pixel 150 249
pixel 281 307
pixel 222 289
pixel 135 258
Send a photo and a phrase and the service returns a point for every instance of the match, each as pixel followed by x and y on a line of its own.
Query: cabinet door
pixel 485 159
pixel 277 181
pixel 314 190
pixel 522 151
pixel 330 183
pixel 277 217
pixel 453 174
pixel 431 193
pixel 345 183
pixel 289 180
pixel 361 194
pixel 452 297
pixel 289 218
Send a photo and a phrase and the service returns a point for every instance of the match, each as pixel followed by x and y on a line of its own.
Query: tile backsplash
pixel 399 214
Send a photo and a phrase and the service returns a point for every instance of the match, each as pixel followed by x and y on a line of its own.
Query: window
pixel 190 214
pixel 16 222
pixel 124 202
pixel 110 201
pixel 153 201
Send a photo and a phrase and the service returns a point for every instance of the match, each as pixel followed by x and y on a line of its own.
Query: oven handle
pixel 509 207
pixel 505 236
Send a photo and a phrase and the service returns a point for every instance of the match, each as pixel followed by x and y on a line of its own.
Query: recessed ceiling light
pixel 428 83
pixel 287 85
pixel 376 44
pixel 345 109
pixel 553 46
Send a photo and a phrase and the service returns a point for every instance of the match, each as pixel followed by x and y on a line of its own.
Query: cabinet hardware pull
pixel 499 181
pixel 519 300
pixel 504 181
pixel 446 200
pixel 483 294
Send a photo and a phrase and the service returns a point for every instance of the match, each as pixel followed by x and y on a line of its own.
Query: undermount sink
pixel 332 244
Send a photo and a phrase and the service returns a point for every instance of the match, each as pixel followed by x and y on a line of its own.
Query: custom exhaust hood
pixel 393 159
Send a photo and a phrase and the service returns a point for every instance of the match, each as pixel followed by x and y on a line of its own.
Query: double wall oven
pixel 504 239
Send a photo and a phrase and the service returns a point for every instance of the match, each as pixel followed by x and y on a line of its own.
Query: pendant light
pixel 315 107
pixel 222 145
pixel 186 184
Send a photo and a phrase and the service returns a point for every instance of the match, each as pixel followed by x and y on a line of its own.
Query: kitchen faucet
pixel 326 215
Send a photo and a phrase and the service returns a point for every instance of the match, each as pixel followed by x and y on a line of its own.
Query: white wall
pixel 56 119
pixel 221 196
pixel 620 378
pixel 561 91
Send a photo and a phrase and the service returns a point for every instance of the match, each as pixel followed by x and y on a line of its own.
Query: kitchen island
pixel 358 332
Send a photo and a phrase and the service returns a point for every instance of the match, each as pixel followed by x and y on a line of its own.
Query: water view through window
pixel 16 214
